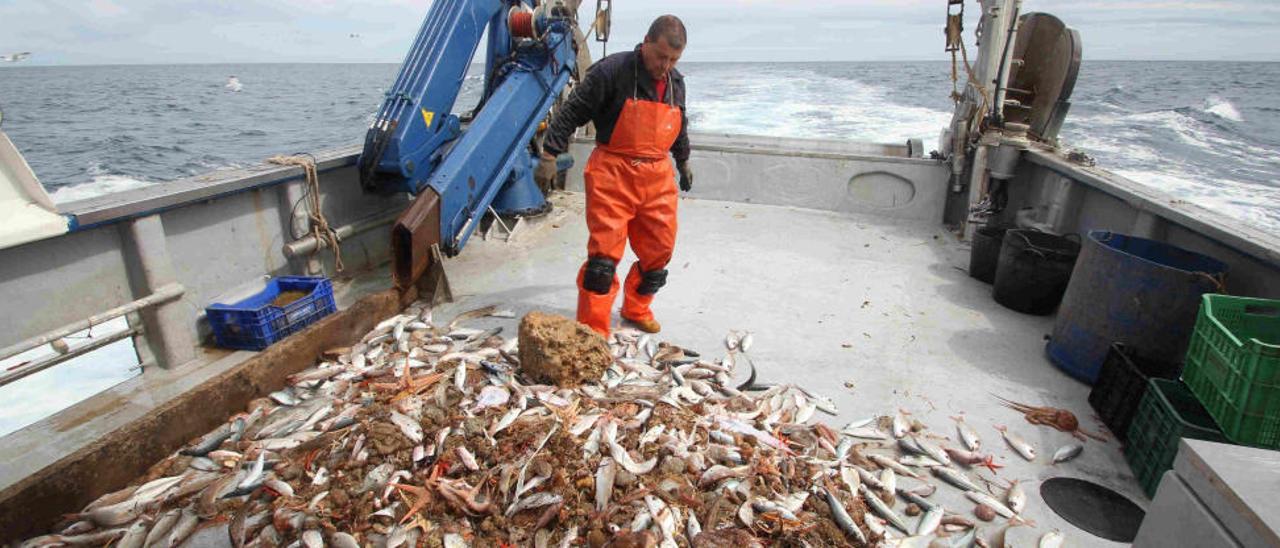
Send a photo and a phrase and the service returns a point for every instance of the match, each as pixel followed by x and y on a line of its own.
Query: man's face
pixel 659 57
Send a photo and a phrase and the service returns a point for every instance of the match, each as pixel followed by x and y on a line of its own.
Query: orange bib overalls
pixel 631 194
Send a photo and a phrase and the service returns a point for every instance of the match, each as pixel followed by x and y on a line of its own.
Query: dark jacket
pixel 600 96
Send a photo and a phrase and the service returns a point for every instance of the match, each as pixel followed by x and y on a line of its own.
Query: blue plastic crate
pixel 254 323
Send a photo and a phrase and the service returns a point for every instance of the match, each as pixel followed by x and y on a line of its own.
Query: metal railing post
pixel 169 327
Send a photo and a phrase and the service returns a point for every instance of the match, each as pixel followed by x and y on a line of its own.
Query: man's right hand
pixel 545 174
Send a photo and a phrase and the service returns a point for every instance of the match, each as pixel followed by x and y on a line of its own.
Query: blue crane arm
pixel 416 145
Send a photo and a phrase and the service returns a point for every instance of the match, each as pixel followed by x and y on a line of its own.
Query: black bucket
pixel 1034 270
pixel 985 253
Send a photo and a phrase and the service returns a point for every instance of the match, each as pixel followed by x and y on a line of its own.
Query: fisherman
pixel 636 100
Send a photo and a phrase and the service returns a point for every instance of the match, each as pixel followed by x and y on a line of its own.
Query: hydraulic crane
pixel 417 145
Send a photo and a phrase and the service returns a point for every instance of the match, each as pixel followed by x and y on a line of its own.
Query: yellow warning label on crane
pixel 428 116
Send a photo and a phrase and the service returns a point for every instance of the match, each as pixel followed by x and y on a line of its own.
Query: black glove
pixel 545 173
pixel 686 176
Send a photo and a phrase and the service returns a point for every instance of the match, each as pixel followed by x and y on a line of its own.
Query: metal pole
pixel 164 294
pixel 309 244
pixel 31 368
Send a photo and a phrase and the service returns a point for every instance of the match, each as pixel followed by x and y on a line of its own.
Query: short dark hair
pixel 670 28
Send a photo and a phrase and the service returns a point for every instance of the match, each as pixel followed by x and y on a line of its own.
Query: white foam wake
pixel 98 186
pixel 1222 108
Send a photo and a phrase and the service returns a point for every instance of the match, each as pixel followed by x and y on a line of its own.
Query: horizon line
pixel 214 63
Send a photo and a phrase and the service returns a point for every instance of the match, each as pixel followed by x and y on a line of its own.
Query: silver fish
pixel 255 473
pixel 162 527
pixel 605 474
pixel 536 500
pixel 886 462
pixel 842 518
pixel 409 427
pixel 343 540
pixel 746 342
pixel 311 538
pixel 134 536
pixel 1016 497
pixel 918 461
pixel 850 479
pixel 900 425
pixel 932 451
pixel 1067 452
pixel 968 435
pixel 955 477
pixel 1018 444
pixel 765 506
pixel 930 521
pixel 883 510
pixel 692 527
pixel 467 458
pixel 1053 539
pixel 983 498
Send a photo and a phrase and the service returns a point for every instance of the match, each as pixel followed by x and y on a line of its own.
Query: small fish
pixel 968 435
pixel 692 527
pixel 915 499
pixel 135 536
pixel 606 472
pixel 1053 539
pixel 311 538
pixel 955 477
pixel 883 510
pixel 850 479
pixel 888 480
pixel 746 342
pixel 409 427
pixel 491 396
pixel 932 451
pixel 536 500
pixel 886 462
pixel 343 540
pixel 467 458
pixel 255 473
pixel 730 342
pixel 1016 497
pixel 841 516
pixel 866 433
pixel 859 423
pixel 1018 444
pixel 765 506
pixel 505 421
pixel 1067 452
pixel 900 425
pixel 919 461
pixel 930 521
pixel 983 498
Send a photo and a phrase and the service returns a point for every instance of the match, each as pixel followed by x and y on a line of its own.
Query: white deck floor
pixel 834 300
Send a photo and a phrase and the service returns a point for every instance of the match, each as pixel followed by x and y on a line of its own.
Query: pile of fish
pixel 427 435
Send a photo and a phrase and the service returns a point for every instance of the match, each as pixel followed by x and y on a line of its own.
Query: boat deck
pixel 878 314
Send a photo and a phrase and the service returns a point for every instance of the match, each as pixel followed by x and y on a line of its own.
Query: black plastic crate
pixel 1121 383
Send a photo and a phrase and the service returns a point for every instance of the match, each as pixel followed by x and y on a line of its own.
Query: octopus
pixel 1060 419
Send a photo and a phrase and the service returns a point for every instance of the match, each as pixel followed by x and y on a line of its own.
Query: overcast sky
pixel 236 31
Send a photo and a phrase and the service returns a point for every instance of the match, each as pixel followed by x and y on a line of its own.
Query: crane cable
pixel 324 234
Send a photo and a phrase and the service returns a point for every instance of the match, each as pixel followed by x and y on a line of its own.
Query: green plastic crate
pixel 1233 366
pixel 1167 413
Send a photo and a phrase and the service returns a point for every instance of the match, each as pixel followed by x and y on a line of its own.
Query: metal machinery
pixel 417 145
pixel 1016 96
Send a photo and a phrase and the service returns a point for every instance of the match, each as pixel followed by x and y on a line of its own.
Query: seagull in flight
pixel 15 57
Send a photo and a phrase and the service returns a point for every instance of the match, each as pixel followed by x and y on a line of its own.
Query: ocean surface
pixel 1208 133
pixel 1205 132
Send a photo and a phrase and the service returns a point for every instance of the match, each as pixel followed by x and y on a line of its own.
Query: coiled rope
pixel 325 235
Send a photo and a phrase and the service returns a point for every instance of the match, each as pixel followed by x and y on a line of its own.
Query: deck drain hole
pixel 1093 508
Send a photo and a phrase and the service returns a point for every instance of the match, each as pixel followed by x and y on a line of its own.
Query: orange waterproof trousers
pixel 631 195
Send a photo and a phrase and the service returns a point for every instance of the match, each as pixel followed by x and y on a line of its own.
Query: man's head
pixel 663 45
